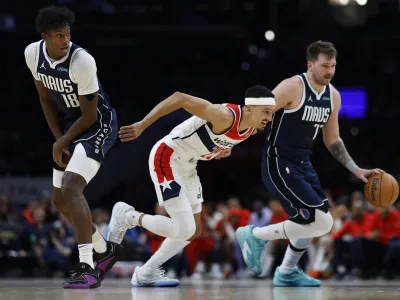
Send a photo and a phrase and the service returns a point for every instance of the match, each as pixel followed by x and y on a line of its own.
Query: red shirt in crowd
pixel 388 227
pixel 357 228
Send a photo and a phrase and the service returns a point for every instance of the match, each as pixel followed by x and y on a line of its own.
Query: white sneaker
pixel 118 225
pixel 144 278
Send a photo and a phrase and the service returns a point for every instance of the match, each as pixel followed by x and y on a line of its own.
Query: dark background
pixel 146 50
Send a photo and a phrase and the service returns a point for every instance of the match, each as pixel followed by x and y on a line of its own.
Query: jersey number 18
pixel 71 100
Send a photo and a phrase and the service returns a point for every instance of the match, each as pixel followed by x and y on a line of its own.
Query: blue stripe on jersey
pixel 205 138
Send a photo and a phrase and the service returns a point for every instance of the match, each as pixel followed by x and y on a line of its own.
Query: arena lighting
pixel 339 2
pixel 269 35
pixel 361 2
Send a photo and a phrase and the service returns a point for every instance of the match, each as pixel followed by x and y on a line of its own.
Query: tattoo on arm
pixel 90 97
pixel 338 150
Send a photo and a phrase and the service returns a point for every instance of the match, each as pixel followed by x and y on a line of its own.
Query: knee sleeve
pixel 301 243
pixel 183 226
pixel 323 222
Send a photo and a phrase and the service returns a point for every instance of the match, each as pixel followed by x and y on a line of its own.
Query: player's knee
pixel 199 229
pixel 185 232
pixel 72 186
pixel 323 221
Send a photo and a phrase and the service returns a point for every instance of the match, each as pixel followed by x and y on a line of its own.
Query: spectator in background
pixel 261 214
pixel 27 213
pixel 10 231
pixel 200 253
pixel 346 241
pixel 381 241
pixel 61 243
pixel 34 239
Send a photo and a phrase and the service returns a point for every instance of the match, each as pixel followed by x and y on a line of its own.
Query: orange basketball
pixel 381 190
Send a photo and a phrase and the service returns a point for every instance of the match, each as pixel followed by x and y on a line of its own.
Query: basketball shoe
pixel 296 278
pixel 150 278
pixel 118 225
pixel 105 261
pixel 83 276
pixel 252 248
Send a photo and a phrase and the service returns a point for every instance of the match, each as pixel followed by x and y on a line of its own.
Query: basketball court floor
pixel 231 290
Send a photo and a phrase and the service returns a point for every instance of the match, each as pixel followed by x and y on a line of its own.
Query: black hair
pixel 52 18
pixel 258 91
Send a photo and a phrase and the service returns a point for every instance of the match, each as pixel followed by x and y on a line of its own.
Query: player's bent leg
pixel 105 253
pixel 150 274
pixel 252 239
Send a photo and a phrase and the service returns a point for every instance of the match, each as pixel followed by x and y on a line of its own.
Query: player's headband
pixel 259 101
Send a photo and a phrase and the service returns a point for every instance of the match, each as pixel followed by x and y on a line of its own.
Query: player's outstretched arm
pixel 336 145
pixel 219 116
pixel 49 109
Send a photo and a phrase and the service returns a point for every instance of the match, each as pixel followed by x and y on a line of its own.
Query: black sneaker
pixel 83 276
pixel 105 261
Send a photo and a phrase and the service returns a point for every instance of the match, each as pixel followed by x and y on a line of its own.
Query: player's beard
pixel 320 80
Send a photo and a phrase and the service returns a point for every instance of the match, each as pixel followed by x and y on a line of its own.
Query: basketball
pixel 381 190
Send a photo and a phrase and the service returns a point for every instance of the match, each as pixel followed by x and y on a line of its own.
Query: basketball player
pixel 83 123
pixel 210 133
pixel 305 104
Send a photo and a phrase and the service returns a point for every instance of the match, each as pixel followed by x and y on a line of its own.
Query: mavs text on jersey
pixel 67 78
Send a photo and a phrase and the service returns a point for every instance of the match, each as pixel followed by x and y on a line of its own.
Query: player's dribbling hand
pixel 131 132
pixel 224 153
pixel 363 174
pixel 58 155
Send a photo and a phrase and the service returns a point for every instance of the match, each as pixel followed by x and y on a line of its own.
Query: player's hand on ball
pixel 363 174
pixel 131 132
pixel 224 153
pixel 58 155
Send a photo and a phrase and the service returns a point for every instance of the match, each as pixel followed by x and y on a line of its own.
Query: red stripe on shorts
pixel 162 164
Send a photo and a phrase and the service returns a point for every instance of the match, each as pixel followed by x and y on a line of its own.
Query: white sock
pixel 293 254
pixel 167 250
pixel 132 217
pixel 86 254
pixel 270 232
pixel 99 244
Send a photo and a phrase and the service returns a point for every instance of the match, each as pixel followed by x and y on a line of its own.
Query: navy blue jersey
pixel 292 132
pixel 61 88
pixel 56 76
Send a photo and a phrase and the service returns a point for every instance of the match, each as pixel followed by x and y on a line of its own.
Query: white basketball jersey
pixel 195 139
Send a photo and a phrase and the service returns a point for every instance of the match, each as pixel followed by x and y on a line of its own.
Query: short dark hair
pixel 258 91
pixel 318 47
pixel 52 17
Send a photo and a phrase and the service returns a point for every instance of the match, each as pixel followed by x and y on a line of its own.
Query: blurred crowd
pixel 35 241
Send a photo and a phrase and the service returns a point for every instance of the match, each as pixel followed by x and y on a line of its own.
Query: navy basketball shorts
pixel 89 150
pixel 296 185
